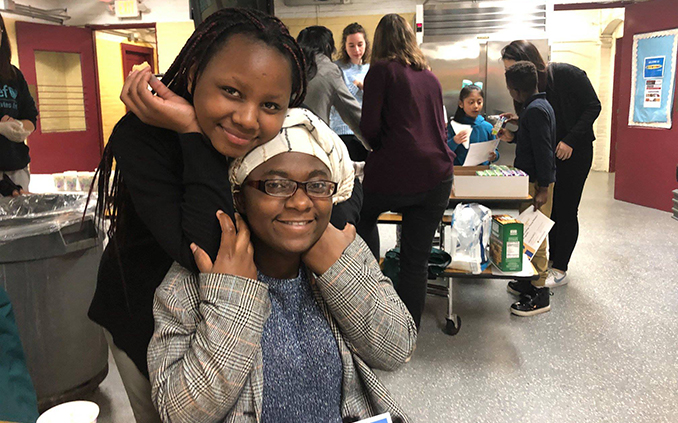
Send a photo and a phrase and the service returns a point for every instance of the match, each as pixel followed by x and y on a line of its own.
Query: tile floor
pixel 605 353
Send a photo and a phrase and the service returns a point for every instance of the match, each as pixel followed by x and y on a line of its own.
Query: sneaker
pixel 555 279
pixel 537 302
pixel 519 288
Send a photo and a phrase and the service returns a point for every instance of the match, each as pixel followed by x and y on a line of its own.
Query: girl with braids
pixel 227 91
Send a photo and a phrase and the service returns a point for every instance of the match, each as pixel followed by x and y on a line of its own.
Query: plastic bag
pixel 471 226
pixel 37 214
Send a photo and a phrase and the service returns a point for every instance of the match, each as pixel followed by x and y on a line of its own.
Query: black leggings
pixel 571 175
pixel 421 216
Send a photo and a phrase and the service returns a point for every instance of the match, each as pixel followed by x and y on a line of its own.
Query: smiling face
pixel 472 104
pixel 286 226
pixel 355 47
pixel 242 95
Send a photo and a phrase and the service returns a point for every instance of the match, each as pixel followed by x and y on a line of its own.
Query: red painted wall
pixel 646 158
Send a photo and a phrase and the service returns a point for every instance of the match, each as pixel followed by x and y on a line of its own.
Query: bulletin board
pixel 653 78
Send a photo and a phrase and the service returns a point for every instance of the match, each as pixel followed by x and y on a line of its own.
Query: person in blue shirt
pixel 354 64
pixel 468 113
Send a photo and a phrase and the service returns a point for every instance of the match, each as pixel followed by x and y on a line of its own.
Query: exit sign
pixel 126 8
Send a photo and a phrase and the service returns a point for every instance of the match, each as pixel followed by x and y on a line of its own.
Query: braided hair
pixel 209 37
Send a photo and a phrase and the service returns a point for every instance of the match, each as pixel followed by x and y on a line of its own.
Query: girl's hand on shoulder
pixel 236 254
pixel 461 138
pixel 164 110
pixel 329 248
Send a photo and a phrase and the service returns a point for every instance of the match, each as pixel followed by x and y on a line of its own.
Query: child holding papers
pixel 535 155
pixel 468 126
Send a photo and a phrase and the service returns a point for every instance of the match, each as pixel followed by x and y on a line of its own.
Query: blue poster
pixel 654 67
pixel 654 78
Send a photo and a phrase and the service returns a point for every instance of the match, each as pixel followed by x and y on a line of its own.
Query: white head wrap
pixel 302 132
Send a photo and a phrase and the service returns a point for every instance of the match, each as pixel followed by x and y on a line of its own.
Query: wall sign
pixel 653 78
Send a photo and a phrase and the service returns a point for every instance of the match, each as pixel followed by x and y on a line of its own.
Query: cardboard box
pixel 469 185
pixel 506 243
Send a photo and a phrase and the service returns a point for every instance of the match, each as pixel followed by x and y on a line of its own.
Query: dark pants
pixel 421 216
pixel 348 211
pixel 356 149
pixel 571 175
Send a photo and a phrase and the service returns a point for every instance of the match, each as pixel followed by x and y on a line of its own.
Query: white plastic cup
pixel 85 180
pixel 59 181
pixel 71 180
pixel 71 412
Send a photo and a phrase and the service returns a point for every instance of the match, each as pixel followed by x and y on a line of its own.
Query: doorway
pixel 58 64
pixel 118 48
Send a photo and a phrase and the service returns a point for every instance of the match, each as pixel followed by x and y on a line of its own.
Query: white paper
pixel 535 228
pixel 525 272
pixel 460 128
pixel 480 152
pixel 381 418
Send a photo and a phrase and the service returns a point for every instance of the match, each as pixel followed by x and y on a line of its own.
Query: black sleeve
pixel 207 190
pixel 27 109
pixel 579 85
pixel 541 139
pixel 176 212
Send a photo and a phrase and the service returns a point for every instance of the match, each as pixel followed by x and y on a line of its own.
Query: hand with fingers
pixel 461 137
pixel 164 110
pixel 563 151
pixel 506 135
pixel 510 117
pixel 236 254
pixel 329 248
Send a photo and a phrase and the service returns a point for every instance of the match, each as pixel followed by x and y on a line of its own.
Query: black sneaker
pixel 535 302
pixel 519 288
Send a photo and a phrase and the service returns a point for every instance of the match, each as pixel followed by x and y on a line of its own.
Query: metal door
pixel 58 63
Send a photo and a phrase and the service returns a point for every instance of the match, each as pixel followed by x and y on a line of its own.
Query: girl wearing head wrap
pixel 289 320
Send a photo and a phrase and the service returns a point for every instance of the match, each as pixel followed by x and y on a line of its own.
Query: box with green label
pixel 506 243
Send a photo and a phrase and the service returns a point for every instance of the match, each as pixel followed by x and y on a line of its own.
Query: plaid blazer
pixel 205 358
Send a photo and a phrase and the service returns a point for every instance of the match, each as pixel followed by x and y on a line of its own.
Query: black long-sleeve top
pixel 15 102
pixel 536 141
pixel 173 186
pixel 574 102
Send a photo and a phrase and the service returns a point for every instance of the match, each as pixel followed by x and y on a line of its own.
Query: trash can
pixel 49 257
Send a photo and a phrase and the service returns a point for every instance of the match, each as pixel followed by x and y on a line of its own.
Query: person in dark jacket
pixel 227 92
pixel 326 89
pixel 410 169
pixel 576 105
pixel 18 116
pixel 535 155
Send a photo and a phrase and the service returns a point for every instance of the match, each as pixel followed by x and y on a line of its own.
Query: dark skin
pixel 282 231
pixel 541 195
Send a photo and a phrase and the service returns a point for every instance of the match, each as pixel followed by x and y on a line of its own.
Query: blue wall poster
pixel 653 78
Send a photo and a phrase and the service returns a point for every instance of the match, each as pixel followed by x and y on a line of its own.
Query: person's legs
pixel 373 205
pixel 540 260
pixel 536 300
pixel 138 388
pixel 420 221
pixel 571 176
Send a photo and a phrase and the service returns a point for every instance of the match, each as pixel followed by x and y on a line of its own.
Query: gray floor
pixel 605 352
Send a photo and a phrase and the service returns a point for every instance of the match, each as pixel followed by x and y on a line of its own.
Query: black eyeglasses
pixel 287 187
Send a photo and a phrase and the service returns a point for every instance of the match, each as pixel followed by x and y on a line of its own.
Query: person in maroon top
pixel 410 169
